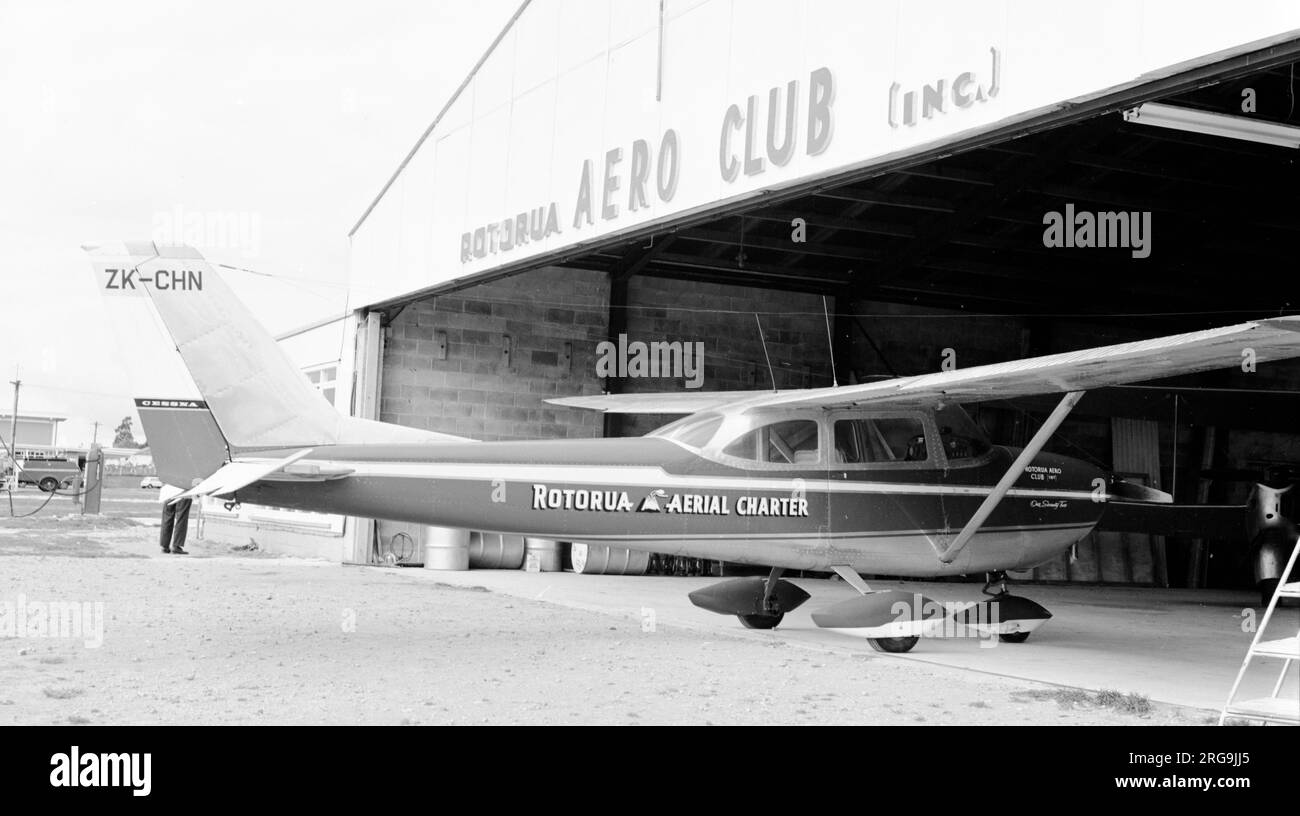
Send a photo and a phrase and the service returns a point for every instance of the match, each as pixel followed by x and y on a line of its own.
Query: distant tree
pixel 124 437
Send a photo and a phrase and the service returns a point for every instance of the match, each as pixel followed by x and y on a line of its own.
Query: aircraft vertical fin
pixel 258 397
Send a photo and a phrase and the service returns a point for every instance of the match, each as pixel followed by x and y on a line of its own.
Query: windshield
pixel 694 431
pixel 786 442
pixel 962 436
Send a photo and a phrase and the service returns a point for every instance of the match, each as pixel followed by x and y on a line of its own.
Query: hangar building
pixel 947 183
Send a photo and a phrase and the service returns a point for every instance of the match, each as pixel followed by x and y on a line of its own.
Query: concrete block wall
pixel 722 317
pixel 913 339
pixel 474 391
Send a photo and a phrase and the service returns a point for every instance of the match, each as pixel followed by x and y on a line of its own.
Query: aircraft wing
pixel 1225 347
pixel 681 402
pixel 1083 370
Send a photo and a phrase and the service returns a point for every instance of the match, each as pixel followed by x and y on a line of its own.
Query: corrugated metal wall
pixel 1120 557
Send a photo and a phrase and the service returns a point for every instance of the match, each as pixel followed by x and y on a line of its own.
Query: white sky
pixel 283 117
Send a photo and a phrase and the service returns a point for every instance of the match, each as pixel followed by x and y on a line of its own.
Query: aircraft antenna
pixel 770 375
pixel 830 343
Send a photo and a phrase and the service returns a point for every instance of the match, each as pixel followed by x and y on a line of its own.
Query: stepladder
pixel 1273 648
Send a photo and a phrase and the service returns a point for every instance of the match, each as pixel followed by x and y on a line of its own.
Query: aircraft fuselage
pixel 652 494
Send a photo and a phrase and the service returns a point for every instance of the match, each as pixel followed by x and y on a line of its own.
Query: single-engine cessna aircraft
pixel 888 477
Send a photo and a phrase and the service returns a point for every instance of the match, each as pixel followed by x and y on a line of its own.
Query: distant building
pixel 121 462
pixel 33 429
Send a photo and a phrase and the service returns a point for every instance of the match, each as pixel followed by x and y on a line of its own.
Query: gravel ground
pixel 233 637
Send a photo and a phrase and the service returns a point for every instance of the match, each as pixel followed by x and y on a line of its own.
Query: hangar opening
pixel 948 261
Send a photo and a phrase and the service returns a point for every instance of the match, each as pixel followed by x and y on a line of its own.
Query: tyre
pixel 895 645
pixel 1014 637
pixel 761 621
pixel 49 484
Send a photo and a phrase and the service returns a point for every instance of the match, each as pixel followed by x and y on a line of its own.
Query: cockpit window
pixel 880 440
pixel 793 442
pixel 961 436
pixel 693 431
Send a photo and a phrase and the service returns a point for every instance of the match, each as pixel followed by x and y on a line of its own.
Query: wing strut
pixel 1013 473
pixel 851 578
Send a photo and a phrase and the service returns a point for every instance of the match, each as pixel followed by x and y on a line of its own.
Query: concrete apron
pixel 1173 645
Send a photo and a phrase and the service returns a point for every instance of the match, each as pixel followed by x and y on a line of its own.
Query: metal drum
pixel 543 555
pixel 599 559
pixel 446 548
pixel 495 551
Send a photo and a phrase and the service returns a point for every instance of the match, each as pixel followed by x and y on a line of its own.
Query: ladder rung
pixel 1291 590
pixel 1267 708
pixel 1283 647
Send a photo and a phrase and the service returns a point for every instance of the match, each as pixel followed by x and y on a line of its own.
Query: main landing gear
pixel 892 621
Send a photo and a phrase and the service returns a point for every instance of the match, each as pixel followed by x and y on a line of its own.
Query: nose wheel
pixel 995 586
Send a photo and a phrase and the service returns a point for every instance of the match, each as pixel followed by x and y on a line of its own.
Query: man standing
pixel 175 520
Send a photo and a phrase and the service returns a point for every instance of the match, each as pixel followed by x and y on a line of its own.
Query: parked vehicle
pixel 48 474
pixel 151 482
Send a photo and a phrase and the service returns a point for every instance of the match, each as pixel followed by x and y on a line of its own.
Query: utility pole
pixel 13 432
pixel 95 436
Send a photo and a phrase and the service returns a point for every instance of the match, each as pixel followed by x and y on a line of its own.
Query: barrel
pixel 446 548
pixel 495 551
pixel 543 555
pixel 599 559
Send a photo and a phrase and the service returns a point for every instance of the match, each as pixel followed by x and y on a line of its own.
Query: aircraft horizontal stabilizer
pixel 1120 490
pixel 1229 522
pixel 235 475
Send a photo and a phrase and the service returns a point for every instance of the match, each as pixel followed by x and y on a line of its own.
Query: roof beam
pixel 1012 177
